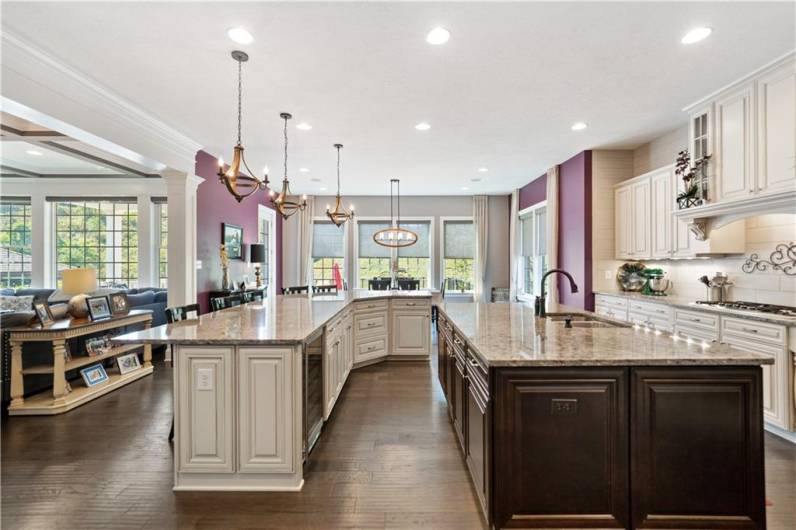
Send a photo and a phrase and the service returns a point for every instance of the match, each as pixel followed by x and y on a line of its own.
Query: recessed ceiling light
pixel 240 35
pixel 482 170
pixel 578 126
pixel 304 169
pixel 475 179
pixel 304 126
pixel 422 126
pixel 696 35
pixel 465 188
pixel 323 188
pixel 315 179
pixel 438 36
pixel 33 152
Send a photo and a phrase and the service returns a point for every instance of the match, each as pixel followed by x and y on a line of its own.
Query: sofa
pixel 152 298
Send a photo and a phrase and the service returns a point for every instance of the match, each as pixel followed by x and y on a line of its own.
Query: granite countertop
pixel 509 334
pixel 690 304
pixel 278 320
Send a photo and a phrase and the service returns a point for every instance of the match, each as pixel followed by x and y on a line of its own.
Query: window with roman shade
pixel 458 252
pixel 414 262
pixel 328 251
pixel 534 248
pixel 373 260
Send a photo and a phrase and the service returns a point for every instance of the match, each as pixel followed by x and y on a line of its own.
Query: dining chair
pixel 301 289
pixel 217 304
pixel 252 296
pixel 408 284
pixel 324 290
pixel 379 284
pixel 175 314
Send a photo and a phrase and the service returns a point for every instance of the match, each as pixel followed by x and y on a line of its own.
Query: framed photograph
pixel 98 307
pixel 98 345
pixel 119 303
pixel 43 313
pixel 94 375
pixel 128 363
pixel 232 237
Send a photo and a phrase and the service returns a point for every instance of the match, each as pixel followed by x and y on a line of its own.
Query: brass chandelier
pixel 339 215
pixel 285 203
pixel 240 185
pixel 395 236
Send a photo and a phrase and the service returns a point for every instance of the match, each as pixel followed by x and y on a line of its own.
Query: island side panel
pixel 697 448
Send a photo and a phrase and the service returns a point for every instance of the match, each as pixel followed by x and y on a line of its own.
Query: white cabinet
pixel 338 359
pixel 622 224
pixel 611 306
pixel 734 135
pixel 650 314
pixel 205 408
pixel 776 130
pixel 662 218
pixel 265 410
pixel 371 319
pixel 640 220
pixel 410 333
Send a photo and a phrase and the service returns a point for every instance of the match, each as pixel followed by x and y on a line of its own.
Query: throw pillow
pixel 16 303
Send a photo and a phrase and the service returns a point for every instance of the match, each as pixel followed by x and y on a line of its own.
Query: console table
pixel 63 398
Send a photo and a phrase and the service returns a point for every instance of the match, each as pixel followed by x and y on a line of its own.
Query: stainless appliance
pixel 717 286
pixel 755 307
pixel 312 391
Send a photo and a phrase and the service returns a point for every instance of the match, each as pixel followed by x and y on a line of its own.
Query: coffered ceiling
pixel 502 94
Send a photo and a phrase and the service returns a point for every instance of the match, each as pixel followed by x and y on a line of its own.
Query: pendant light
pixel 339 215
pixel 240 185
pixel 285 203
pixel 395 236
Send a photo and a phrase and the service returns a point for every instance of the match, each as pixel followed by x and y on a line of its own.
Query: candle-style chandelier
pixel 285 203
pixel 395 236
pixel 240 185
pixel 339 215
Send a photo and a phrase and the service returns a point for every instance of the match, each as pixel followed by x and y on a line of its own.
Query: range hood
pixel 703 219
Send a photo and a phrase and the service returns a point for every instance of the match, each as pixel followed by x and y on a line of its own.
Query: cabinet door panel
pixel 205 404
pixel 410 333
pixel 718 411
pixel 776 130
pixel 478 430
pixel 661 214
pixel 733 150
pixel 641 229
pixel 561 448
pixel 622 219
pixel 265 403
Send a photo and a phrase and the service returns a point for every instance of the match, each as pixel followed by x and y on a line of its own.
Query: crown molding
pixel 43 68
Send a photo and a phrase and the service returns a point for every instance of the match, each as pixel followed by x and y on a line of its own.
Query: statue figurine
pixel 224 267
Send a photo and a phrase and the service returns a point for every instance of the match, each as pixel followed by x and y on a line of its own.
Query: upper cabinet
pixel 749 130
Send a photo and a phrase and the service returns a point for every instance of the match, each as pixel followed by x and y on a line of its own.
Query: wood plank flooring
pixel 388 459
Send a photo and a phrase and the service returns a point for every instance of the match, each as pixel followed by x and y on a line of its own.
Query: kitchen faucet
pixel 539 305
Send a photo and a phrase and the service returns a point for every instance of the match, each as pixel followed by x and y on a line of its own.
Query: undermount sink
pixel 579 320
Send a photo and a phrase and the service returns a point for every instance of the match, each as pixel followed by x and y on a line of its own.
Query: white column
pixel 42 242
pixel 181 195
pixel 147 247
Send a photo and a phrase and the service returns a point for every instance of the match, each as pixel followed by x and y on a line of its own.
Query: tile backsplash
pixel 763 233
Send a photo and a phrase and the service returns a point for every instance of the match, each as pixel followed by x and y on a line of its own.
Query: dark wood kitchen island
pixel 579 422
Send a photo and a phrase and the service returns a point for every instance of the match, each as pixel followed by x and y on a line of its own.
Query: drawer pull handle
pixel 410 303
pixel 371 324
pixel 457 341
pixel 696 319
pixel 749 330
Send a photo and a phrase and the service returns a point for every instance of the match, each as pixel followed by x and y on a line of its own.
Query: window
pixel 458 252
pixel 263 236
pixel 328 251
pixel 15 262
pixel 98 234
pixel 415 261
pixel 163 239
pixel 534 248
pixel 373 259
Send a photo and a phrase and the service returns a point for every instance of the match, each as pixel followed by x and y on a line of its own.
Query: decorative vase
pixel 224 279
pixel 77 306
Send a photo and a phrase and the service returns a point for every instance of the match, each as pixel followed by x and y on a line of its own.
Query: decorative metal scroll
pixel 782 259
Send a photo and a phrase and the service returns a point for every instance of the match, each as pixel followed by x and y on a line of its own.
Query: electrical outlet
pixel 609 275
pixel 564 407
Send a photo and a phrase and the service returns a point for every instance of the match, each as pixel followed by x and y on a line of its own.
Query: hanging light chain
pixel 240 90
pixel 338 169
pixel 285 134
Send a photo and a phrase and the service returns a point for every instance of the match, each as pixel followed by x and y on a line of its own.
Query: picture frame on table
pixel 97 345
pixel 232 237
pixel 43 313
pixel 94 375
pixel 128 363
pixel 98 308
pixel 120 305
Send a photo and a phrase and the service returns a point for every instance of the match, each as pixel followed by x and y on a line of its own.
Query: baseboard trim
pixel 782 433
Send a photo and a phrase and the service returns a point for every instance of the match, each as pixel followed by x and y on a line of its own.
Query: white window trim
pixel 394 252
pixel 157 210
pixel 441 250
pixel 263 212
pixel 325 219
pixel 526 212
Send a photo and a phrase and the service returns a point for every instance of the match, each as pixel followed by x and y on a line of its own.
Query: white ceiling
pixel 502 93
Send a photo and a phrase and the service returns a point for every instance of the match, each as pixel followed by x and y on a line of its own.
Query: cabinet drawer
pixel 611 312
pixel 371 348
pixel 751 330
pixel 657 310
pixel 370 324
pixel 695 319
pixel 652 321
pixel 611 301
pixel 478 375
pixel 695 333
pixel 410 303
pixel 370 305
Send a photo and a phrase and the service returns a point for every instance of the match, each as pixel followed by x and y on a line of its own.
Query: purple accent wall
pixel 575 231
pixel 533 192
pixel 215 205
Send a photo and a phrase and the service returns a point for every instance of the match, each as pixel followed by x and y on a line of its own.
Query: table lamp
pixel 78 282
pixel 257 256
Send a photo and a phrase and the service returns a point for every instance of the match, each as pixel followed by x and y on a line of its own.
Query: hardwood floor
pixel 388 459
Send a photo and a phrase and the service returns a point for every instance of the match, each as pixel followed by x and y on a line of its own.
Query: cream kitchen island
pixel 253 384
